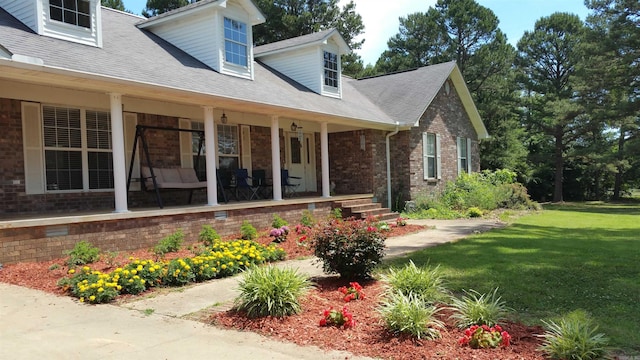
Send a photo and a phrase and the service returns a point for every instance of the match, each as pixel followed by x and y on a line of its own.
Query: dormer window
pixel 74 12
pixel 330 69
pixel 235 42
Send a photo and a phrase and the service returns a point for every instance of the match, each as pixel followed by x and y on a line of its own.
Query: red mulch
pixel 367 338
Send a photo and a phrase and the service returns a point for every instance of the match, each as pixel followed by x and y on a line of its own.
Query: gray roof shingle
pixel 406 95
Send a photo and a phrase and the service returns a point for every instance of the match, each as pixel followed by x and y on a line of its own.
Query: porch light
pixel 223 118
pixel 294 126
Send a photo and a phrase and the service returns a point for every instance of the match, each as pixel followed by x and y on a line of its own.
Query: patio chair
pixel 248 191
pixel 288 188
pixel 260 179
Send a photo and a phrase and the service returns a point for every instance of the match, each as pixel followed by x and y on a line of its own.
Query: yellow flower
pixel 92 298
pixel 71 271
pixel 223 266
pixel 82 299
pixel 134 271
pixel 139 268
pixel 85 268
pixel 100 290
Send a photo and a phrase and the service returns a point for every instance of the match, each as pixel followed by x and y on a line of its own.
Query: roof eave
pixel 256 15
pixel 342 45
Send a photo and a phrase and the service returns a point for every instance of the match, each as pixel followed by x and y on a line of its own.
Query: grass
pixel 575 256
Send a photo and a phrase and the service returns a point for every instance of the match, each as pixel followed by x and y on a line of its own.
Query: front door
pixel 301 160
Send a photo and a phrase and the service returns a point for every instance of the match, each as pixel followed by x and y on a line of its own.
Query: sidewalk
pixel 37 325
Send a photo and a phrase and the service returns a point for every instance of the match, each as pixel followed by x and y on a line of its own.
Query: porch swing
pixel 154 179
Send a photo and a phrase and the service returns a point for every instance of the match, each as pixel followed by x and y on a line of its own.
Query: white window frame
pixel 331 67
pixel 464 155
pixel 237 42
pixel 75 12
pixel 435 156
pixel 84 149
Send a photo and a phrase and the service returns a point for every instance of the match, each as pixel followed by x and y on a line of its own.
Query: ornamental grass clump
pixel 478 309
pixel 574 337
pixel 271 291
pixel 425 283
pixel 349 248
pixel 408 314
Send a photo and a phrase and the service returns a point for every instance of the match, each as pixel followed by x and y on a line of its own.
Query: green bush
pixel 335 214
pixel 307 219
pixel 91 286
pixel 424 283
pixel 407 314
pixel 278 222
pixel 247 231
pixel 478 309
pixel 349 248
pixel 83 253
pixel 208 235
pixel 169 244
pixel 271 291
pixel 574 337
pixel 474 212
pixel 485 191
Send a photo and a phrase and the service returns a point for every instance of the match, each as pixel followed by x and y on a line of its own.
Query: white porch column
pixel 275 158
pixel 324 155
pixel 117 146
pixel 210 156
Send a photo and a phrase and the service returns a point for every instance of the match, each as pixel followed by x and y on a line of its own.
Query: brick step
pixel 372 212
pixel 367 200
pixel 364 207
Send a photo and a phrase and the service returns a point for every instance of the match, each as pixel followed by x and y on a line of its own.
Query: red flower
pixel 463 341
pixel 371 228
pixel 506 338
pixel 323 322
pixel 498 328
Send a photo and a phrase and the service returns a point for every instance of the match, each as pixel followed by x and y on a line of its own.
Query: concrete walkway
pixel 37 325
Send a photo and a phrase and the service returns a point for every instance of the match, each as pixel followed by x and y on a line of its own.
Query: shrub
pixel 83 253
pixel 278 222
pixel 425 283
pixel 271 291
pixel 335 214
pixel 169 244
pixel 574 337
pixel 247 231
pixel 349 248
pixel 307 219
pixel 91 286
pixel 208 235
pixel 410 315
pixel 474 212
pixel 478 309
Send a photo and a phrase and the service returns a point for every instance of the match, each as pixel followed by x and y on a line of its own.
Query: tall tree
pixel 157 7
pixel 549 56
pixel 290 18
pixel 464 31
pixel 611 77
pixel 114 4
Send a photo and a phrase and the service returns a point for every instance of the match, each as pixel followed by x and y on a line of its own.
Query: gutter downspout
pixel 389 135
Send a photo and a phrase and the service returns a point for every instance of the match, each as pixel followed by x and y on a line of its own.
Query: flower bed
pixel 369 337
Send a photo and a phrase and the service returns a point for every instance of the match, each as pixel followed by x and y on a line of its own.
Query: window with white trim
pixel 77 149
pixel 235 42
pixel 464 155
pixel 228 147
pixel 430 156
pixel 74 12
pixel 330 69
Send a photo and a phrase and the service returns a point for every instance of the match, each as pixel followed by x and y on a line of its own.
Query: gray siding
pixel 23 10
pixel 301 66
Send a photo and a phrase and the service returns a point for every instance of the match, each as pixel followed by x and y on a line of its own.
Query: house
pixel 79 81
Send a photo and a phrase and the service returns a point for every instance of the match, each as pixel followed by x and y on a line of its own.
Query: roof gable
pixel 405 96
pixel 303 41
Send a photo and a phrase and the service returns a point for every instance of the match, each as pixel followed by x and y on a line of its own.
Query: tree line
pixel 562 107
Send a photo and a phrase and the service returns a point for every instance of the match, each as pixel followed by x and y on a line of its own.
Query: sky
pixel 380 17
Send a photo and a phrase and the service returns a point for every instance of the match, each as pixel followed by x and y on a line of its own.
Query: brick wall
pixel 350 166
pixel 446 116
pixel 125 234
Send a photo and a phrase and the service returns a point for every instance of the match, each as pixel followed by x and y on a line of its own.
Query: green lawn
pixel 575 256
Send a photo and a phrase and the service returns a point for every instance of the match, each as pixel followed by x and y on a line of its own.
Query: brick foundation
pixel 137 230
